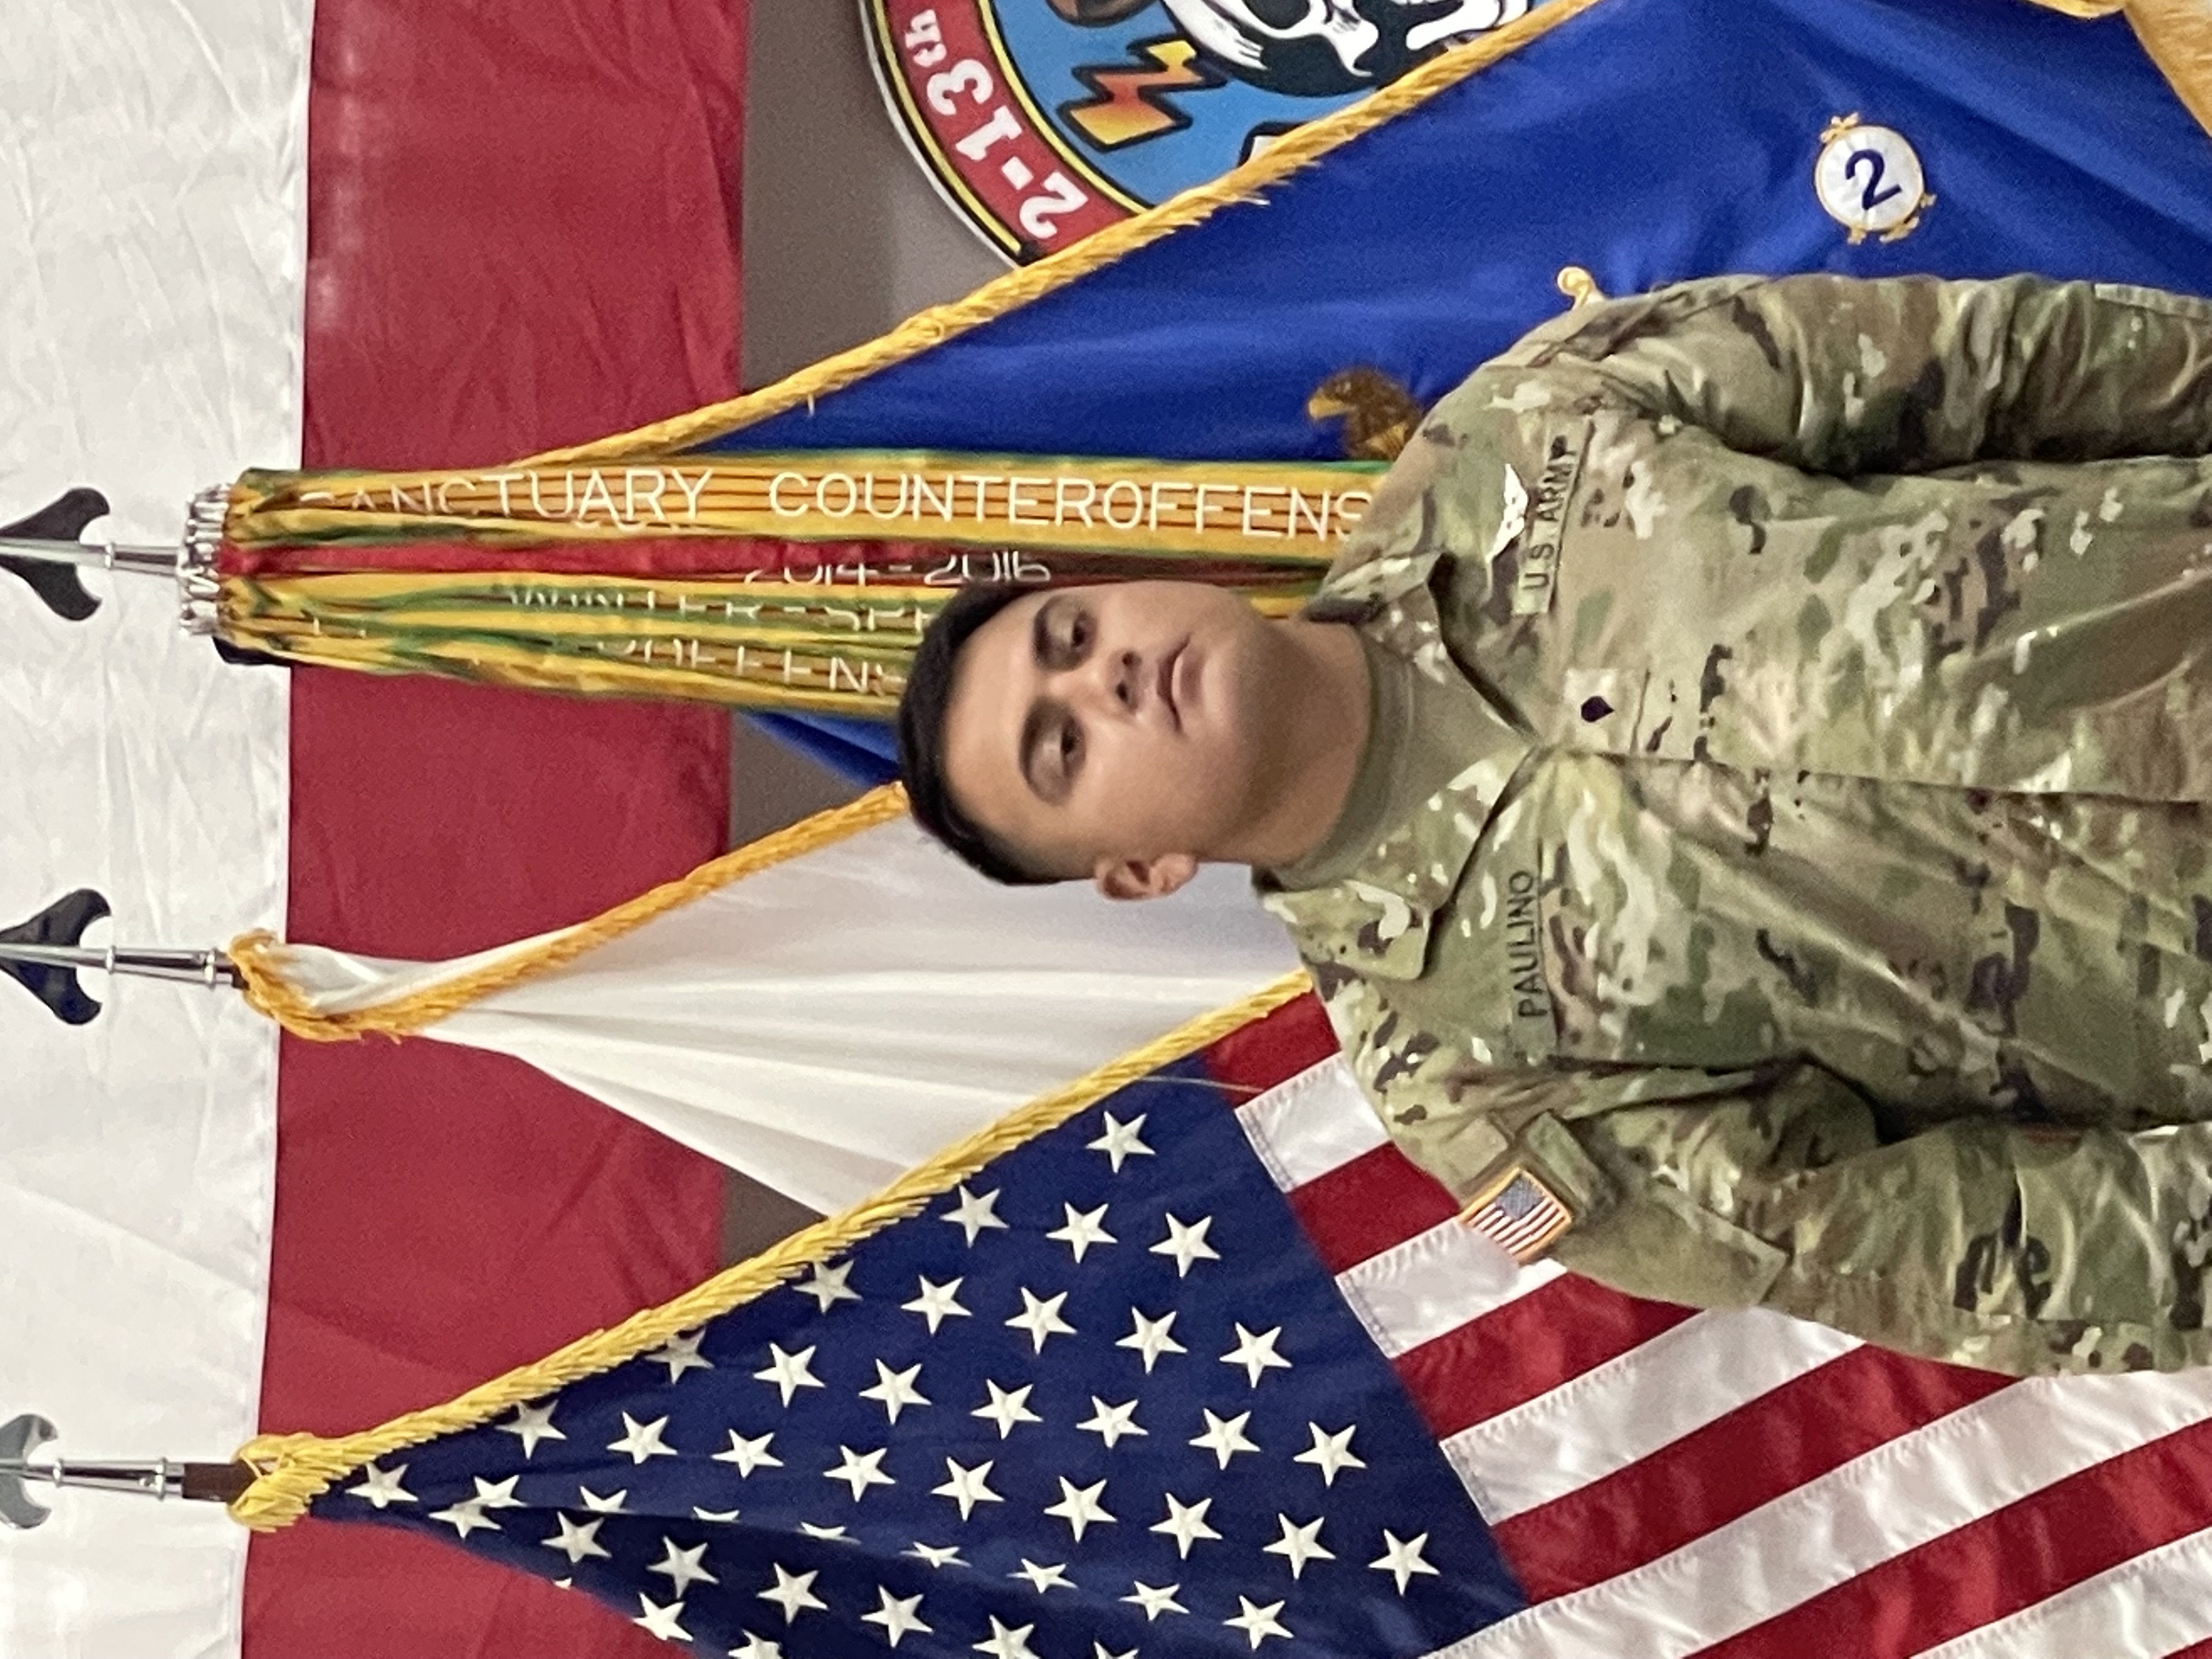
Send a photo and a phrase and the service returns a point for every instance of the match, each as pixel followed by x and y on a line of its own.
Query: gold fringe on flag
pixel 2178 36
pixel 292 1470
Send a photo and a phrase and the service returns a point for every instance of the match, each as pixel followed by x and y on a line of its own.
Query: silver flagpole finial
pixel 47 549
pixel 22 1435
pixel 208 967
pixel 46 953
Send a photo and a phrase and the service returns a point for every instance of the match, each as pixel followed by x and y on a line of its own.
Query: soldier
pixel 1741 795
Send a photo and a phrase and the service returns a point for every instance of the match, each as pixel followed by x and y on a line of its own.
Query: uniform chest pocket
pixel 1601 709
pixel 1666 712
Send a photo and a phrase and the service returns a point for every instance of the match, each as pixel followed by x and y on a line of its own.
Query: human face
pixel 1122 732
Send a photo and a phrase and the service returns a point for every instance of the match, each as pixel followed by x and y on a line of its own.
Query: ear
pixel 1144 879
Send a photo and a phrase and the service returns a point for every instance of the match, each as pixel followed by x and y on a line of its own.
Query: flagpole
pixel 211 968
pixel 52 537
pixel 97 556
pixel 159 1478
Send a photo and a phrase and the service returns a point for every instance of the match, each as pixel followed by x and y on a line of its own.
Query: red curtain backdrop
pixel 522 233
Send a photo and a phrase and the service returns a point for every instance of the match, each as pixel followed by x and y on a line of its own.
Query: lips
pixel 1169 700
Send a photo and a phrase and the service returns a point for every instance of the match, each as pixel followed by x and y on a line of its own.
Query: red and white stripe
pixel 1669 1483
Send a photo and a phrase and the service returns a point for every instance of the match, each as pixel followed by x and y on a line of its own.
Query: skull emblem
pixel 1323 48
pixel 1240 31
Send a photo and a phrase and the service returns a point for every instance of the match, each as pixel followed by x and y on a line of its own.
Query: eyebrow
pixel 1041 630
pixel 1040 710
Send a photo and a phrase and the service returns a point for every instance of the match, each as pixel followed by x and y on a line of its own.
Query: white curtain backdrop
pixel 151 253
pixel 831 1021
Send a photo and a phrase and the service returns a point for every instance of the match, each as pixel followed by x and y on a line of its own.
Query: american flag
pixel 1210 1369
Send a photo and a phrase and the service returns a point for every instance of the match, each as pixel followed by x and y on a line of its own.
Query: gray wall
pixel 844 236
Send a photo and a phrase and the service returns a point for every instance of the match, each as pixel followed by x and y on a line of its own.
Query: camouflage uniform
pixel 1784 832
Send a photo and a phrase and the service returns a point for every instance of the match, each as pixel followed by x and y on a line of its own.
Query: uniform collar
pixel 1375 784
pixel 1438 760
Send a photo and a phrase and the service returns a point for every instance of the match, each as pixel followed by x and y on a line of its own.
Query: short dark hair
pixel 921 714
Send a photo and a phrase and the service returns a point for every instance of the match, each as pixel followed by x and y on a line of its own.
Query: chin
pixel 1223 765
pixel 1248 659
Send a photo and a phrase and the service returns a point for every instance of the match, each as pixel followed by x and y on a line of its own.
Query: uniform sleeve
pixel 1845 376
pixel 1973 1242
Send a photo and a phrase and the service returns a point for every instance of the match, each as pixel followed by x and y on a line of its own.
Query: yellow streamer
pixel 1296 511
pixel 260 956
pixel 293 1470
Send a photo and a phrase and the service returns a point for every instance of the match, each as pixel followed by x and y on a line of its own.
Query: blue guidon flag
pixel 1200 1363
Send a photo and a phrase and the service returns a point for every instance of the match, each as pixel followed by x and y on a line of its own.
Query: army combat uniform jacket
pixel 1782 858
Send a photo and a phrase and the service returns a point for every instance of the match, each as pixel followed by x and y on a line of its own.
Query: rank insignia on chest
pixel 1519 1214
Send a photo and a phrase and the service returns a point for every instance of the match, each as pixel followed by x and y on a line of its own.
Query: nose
pixel 1128 680
pixel 1114 682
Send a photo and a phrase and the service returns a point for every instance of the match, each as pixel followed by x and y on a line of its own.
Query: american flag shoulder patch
pixel 1519 1214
